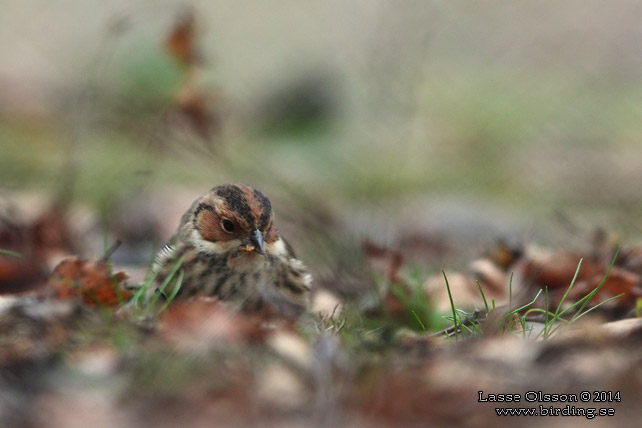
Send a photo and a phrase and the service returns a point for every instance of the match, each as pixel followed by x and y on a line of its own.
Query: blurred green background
pixel 464 120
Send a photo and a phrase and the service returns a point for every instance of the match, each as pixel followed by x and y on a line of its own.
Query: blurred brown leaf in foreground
pixel 32 330
pixel 29 247
pixel 197 324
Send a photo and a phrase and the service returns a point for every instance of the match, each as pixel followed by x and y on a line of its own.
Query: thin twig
pixel 111 250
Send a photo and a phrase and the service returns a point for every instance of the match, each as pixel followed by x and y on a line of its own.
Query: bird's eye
pixel 228 225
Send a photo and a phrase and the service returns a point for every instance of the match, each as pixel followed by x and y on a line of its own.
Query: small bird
pixel 231 249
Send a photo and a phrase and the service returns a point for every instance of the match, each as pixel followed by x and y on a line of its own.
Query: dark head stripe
pixel 202 206
pixel 266 208
pixel 237 202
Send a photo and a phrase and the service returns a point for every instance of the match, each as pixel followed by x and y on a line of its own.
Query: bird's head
pixel 230 218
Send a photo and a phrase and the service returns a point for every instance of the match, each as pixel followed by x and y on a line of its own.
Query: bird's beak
pixel 257 240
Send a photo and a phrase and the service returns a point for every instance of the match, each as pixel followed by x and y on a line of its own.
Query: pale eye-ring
pixel 228 225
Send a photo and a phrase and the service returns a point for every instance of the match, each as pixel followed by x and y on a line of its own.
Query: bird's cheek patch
pixel 208 227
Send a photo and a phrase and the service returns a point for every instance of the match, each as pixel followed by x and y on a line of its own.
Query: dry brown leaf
pixel 181 42
pixel 556 272
pixel 618 282
pixel 31 246
pixel 89 280
pixel 193 107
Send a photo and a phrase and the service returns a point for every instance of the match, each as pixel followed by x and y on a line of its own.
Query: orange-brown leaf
pixel 618 282
pixel 180 43
pixel 91 281
pixel 557 270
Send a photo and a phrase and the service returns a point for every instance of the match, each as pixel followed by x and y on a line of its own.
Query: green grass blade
pixel 584 300
pixel 452 303
pixel 596 289
pixel 482 294
pixel 514 311
pixel 143 288
pixel 419 320
pixel 580 315
pixel 10 253
pixel 177 287
pixel 510 292
pixel 546 312
pixel 170 277
pixel 577 271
